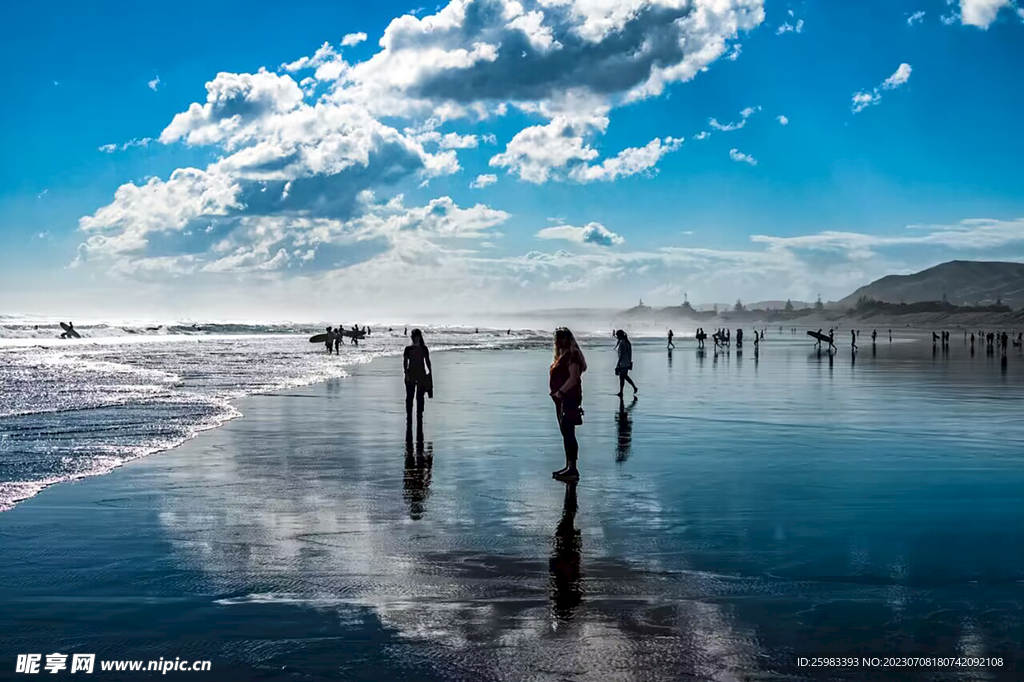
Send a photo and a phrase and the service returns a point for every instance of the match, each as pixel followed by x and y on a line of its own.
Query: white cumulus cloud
pixel 628 162
pixel 111 148
pixel 864 99
pixel 729 127
pixel 483 180
pixel 981 13
pixel 790 28
pixel 310 158
pixel 591 233
pixel 898 78
pixel 351 39
pixel 737 155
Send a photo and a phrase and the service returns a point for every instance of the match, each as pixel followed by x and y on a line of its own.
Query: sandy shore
pixel 715 534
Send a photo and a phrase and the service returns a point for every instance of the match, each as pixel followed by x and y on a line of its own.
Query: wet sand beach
pixel 741 514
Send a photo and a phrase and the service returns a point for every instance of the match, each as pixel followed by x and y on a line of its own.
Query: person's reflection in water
pixel 418 465
pixel 566 576
pixel 624 424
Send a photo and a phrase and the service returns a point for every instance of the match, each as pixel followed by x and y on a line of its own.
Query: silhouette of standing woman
pixel 419 376
pixel 624 350
pixel 566 387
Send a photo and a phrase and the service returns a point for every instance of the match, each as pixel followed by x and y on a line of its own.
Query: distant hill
pixel 960 282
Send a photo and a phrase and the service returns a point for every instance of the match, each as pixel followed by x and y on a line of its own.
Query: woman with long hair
pixel 566 386
pixel 416 361
pixel 624 363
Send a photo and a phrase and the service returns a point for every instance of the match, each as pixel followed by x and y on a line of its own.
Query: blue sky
pixel 234 159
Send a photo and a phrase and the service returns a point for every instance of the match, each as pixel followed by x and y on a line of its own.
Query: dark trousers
pixel 414 387
pixel 568 430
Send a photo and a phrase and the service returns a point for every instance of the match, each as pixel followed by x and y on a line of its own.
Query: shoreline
pixel 234 412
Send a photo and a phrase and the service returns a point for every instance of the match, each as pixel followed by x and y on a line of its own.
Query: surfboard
pixel 322 338
pixel 70 331
pixel 820 337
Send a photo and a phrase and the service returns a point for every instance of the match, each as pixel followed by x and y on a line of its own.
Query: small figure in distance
pixel 670 344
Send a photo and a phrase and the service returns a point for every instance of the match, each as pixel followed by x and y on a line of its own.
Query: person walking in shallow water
pixel 419 376
pixel 670 344
pixel 853 339
pixel 624 351
pixel 566 385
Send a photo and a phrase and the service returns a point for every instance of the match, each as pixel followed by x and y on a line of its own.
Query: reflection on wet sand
pixel 624 427
pixel 418 465
pixel 566 576
pixel 709 563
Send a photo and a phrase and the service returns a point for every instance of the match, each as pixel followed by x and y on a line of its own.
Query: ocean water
pixel 76 408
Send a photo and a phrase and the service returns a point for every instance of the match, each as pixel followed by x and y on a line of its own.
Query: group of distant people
pixel 336 336
pixel 854 335
pixel 723 337
pixel 994 340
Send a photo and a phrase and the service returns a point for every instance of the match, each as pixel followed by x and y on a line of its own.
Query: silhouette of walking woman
pixel 624 350
pixel 565 382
